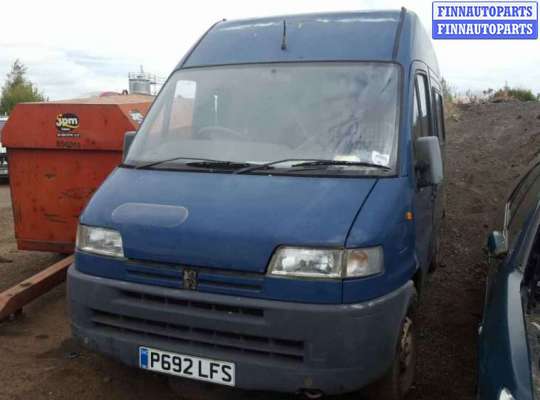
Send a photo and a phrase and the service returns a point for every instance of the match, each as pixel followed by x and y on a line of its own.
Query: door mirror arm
pixel 421 168
pixel 497 246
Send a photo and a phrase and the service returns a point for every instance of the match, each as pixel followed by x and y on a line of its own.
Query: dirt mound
pixel 488 147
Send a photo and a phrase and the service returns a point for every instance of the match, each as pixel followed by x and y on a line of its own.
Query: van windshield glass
pixel 259 113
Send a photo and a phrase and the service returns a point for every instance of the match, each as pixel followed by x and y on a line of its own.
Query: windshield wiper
pixel 219 164
pixel 243 167
pixel 268 165
pixel 311 163
pixel 324 163
pixel 198 163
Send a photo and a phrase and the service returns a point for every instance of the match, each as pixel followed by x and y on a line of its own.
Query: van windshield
pixel 259 113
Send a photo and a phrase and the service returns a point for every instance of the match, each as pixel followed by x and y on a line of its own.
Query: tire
pixel 397 382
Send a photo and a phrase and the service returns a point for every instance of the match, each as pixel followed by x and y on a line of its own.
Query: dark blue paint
pixel 381 221
pixel 503 351
pixel 236 222
pixel 504 360
pixel 316 37
pixel 233 224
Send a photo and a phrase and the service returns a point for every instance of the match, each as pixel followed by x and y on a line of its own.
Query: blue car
pixel 276 215
pixel 509 340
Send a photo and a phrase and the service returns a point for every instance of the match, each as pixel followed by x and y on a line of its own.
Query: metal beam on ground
pixel 15 298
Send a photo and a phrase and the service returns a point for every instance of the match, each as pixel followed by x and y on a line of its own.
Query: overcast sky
pixel 73 48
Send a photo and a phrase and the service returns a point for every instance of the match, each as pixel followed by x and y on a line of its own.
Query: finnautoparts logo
pixel 485 20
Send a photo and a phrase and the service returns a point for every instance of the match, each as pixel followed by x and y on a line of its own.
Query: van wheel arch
pixel 397 382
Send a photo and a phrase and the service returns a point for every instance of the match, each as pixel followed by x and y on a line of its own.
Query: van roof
pixel 395 35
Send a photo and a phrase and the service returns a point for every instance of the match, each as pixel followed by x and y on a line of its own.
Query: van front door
pixel 424 196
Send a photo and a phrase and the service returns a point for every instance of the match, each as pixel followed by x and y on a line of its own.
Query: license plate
pixel 202 369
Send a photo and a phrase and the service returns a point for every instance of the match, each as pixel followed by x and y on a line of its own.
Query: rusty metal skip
pixel 59 153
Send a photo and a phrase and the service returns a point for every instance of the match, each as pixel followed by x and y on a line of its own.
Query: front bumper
pixel 276 346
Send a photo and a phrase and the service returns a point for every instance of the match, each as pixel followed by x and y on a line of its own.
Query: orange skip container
pixel 59 153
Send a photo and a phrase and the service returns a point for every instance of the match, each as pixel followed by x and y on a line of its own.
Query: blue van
pixel 509 344
pixel 273 222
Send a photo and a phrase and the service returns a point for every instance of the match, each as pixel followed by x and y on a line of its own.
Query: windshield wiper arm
pixel 195 159
pixel 244 167
pixel 324 163
pixel 219 164
pixel 307 162
pixel 269 165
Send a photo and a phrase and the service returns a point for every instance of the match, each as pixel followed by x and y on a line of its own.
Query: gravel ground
pixel 489 146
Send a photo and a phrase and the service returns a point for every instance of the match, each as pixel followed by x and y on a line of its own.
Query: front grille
pixel 257 346
pixel 208 279
pixel 191 304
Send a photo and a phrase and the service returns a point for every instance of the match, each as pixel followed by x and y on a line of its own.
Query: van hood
pixel 224 221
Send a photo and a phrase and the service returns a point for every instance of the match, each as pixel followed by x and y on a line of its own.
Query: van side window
pixel 439 115
pixel 422 125
pixel 423 96
pixel 417 122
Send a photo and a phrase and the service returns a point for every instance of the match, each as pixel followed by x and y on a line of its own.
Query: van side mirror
pixel 128 139
pixel 429 160
pixel 496 244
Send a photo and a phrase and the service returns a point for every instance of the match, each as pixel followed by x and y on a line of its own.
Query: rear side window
pixel 439 115
pixel 522 204
pixel 421 110
pixel 423 104
pixel 417 122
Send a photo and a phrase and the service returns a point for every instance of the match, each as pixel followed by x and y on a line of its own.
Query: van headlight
pixel 106 242
pixel 326 263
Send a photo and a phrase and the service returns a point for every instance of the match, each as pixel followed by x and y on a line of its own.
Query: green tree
pixel 18 89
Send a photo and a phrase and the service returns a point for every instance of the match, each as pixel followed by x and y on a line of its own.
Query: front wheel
pixel 395 384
